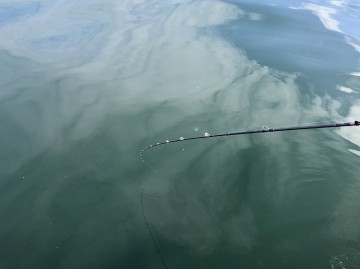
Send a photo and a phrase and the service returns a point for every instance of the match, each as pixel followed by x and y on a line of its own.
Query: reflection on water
pixel 86 85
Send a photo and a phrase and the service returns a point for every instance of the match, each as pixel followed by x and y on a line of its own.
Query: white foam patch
pixel 324 14
pixel 340 9
pixel 352 134
pixel 345 89
pixel 356 74
pixel 339 3
pixel 352 43
pixel 356 152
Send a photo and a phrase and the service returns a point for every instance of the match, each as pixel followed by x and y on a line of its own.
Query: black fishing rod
pixel 263 129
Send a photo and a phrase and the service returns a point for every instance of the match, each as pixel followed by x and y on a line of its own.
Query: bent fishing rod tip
pixel 263 129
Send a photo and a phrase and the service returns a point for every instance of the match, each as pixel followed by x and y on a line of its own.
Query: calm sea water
pixel 85 85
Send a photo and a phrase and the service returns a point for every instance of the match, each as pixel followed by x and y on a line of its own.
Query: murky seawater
pixel 85 85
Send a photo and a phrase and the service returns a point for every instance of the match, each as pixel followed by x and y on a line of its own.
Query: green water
pixel 84 86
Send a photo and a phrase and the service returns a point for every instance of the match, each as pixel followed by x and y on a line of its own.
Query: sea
pixel 86 85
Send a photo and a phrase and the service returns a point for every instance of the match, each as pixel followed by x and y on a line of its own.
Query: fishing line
pixel 151 234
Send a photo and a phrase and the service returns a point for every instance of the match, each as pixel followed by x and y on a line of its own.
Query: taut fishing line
pixel 263 130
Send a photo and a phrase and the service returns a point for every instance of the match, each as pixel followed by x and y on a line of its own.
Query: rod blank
pixel 264 129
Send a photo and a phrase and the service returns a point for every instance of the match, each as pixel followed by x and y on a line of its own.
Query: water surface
pixel 85 85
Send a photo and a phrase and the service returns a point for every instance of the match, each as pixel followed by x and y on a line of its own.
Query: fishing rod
pixel 263 129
